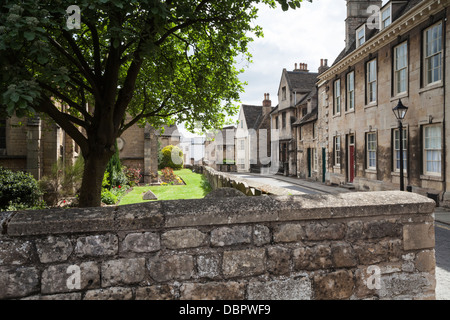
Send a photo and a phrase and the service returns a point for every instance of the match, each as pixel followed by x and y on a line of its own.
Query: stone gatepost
pixel 150 155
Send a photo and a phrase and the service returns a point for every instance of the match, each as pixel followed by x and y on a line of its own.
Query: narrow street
pixel 442 229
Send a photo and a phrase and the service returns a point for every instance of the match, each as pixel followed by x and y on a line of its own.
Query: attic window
pixel 386 17
pixel 360 36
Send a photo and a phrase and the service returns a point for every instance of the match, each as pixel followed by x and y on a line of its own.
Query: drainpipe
pixel 445 102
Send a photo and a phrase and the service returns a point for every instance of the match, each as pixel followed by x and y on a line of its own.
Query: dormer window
pixel 386 17
pixel 360 36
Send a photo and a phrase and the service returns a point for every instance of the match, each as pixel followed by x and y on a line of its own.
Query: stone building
pixel 34 145
pixel 253 136
pixel 295 87
pixel 220 150
pixel 397 53
pixel 139 147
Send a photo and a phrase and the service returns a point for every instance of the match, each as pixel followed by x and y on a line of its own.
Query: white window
pixel 337 96
pixel 241 144
pixel 432 150
pixel 337 151
pixel 371 149
pixel 401 68
pixel 315 160
pixel 386 18
pixel 360 36
pixel 372 81
pixel 396 154
pixel 351 91
pixel 433 54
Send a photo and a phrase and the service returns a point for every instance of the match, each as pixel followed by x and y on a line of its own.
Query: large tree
pixel 127 62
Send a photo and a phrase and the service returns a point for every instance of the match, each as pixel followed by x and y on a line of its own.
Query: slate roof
pixel 251 114
pixel 301 81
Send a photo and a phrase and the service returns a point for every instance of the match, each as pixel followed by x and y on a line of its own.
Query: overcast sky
pixel 305 35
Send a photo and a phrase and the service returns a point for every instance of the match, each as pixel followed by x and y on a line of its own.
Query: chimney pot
pixel 295 66
pixel 321 62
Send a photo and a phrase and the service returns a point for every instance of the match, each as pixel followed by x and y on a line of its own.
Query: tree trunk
pixel 91 187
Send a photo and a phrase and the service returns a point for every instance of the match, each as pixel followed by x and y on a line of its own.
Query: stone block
pixel 64 277
pixel 213 291
pixel 122 272
pixel 354 230
pixel 261 235
pixel 226 236
pixel 185 238
pixel 16 252
pixel 141 242
pixel 18 282
pixel 149 195
pixel 289 233
pixel 54 249
pixel 113 293
pixel 176 267
pixel 406 284
pixel 241 263
pixel 97 246
pixel 425 261
pixel 334 286
pixel 418 236
pixel 278 260
pixel 325 231
pixel 156 292
pixel 312 258
pixel 208 266
pixel 343 255
pixel 141 216
pixel 290 289
pixel 374 252
pixel 381 229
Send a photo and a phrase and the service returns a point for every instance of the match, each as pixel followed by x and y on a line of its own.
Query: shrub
pixel 108 197
pixel 172 157
pixel 19 190
pixel 133 175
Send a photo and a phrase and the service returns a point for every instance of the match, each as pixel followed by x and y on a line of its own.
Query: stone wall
pixel 349 246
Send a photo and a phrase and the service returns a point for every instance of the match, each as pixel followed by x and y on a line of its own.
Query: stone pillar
pixel 150 155
pixel 34 147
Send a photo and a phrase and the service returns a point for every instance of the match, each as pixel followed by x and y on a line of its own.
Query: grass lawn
pixel 196 188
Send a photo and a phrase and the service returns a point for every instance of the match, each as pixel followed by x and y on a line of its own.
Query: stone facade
pixel 362 140
pixel 35 145
pixel 350 246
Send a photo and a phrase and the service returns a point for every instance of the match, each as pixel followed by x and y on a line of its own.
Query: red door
pixel 351 165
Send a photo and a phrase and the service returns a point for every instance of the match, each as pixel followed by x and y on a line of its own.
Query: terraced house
pixel 396 53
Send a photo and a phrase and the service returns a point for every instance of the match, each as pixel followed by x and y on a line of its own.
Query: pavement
pixel 442 214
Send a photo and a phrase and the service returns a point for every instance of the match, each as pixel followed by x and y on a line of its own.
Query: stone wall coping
pixel 214 211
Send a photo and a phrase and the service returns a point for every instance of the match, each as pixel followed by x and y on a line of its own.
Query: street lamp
pixel 400 113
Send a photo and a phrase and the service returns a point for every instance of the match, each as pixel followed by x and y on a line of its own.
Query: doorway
pixel 351 158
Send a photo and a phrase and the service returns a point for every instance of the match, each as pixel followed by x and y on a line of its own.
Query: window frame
pixel 382 24
pixel 371 151
pixel 427 58
pixel 425 149
pixel 397 71
pixel 337 98
pixel 337 151
pixel 396 149
pixel 371 85
pixel 358 38
pixel 350 92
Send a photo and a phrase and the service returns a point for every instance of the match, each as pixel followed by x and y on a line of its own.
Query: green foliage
pixel 108 197
pixel 172 157
pixel 18 190
pixel 116 175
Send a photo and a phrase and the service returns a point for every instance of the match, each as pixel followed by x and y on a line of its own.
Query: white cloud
pixel 313 32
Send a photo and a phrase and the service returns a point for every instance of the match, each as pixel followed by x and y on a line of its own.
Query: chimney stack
pixel 323 65
pixel 267 104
